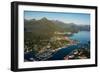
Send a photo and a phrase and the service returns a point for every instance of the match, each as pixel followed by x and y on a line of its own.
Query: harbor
pixel 70 51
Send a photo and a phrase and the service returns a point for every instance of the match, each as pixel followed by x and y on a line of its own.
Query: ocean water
pixel 83 37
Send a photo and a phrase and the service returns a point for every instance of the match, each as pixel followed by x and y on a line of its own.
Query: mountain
pixel 45 28
pixel 71 27
pixel 42 28
pixel 42 25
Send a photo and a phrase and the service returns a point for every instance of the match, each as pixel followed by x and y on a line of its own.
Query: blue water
pixel 83 37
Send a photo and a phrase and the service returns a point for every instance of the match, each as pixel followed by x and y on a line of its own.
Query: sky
pixel 77 18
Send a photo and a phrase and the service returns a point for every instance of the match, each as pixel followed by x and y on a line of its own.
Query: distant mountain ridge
pixel 45 28
pixel 45 25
